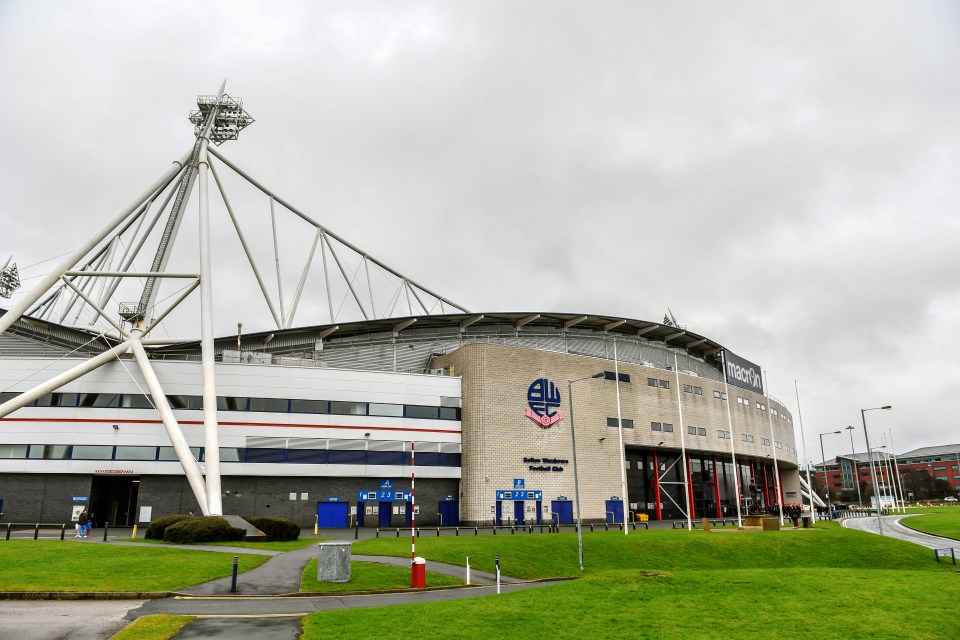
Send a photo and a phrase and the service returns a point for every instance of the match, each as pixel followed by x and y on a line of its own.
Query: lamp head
pixel 600 374
pixel 886 407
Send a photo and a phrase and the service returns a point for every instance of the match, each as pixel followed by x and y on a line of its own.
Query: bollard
pixel 106 529
pixel 356 532
pixel 496 561
pixel 233 578
pixel 8 529
pixel 134 536
pixel 468 570
pixel 316 524
pixel 36 531
pixel 63 532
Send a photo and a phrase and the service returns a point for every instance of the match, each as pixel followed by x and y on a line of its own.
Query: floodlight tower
pixel 9 279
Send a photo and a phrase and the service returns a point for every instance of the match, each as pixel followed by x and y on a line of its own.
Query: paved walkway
pixel 894 529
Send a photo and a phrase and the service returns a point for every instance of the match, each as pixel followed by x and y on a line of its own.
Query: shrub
pixel 206 529
pixel 158 526
pixel 276 528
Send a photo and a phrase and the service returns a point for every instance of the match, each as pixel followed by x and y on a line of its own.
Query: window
pixel 664 384
pixel 55 400
pixel 348 408
pixel 773 411
pixel 309 406
pixel 723 435
pixel 6 396
pixel 264 455
pixel 13 451
pixel 762 407
pixel 275 405
pixel 612 375
pixel 746 438
pixel 92 452
pixel 720 395
pixel 655 426
pixel 187 402
pixel 449 413
pixel 230 454
pixel 136 401
pixel 667 428
pixel 419 411
pixel 939 468
pixel 652 382
pixel 168 453
pixel 627 423
pixel 701 431
pixel 692 431
pixel 100 400
pixel 778 445
pixel 743 401
pixel 136 453
pixel 229 403
pixel 688 388
pixel 391 410
pixel 765 442
pixel 50 451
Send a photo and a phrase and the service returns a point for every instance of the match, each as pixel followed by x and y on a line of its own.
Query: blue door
pixel 518 511
pixel 449 513
pixel 563 510
pixel 332 515
pixel 614 511
pixel 409 513
pixel 360 510
pixel 539 512
pixel 499 513
pixel 386 510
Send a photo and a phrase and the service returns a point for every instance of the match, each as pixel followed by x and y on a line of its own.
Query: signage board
pixel 518 483
pixel 742 373
pixel 520 495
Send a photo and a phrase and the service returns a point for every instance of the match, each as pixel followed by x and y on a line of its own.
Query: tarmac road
pixel 893 529
pixel 67 620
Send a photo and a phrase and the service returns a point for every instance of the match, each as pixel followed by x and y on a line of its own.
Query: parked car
pixel 949 499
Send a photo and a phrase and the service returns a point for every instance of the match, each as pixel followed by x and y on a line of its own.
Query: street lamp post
pixel 873 471
pixel 576 478
pixel 826 483
pixel 856 470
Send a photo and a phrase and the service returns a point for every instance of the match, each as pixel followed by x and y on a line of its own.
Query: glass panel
pixel 420 411
pixel 378 409
pixel 665 384
pixel 58 400
pixel 100 400
pixel 231 454
pixel 186 402
pixel 168 453
pixel 276 405
pixel 668 427
pixel 265 455
pixel 349 408
pixel 13 451
pixel 655 426
pixel 92 452
pixel 449 413
pixel 136 453
pixel 49 451
pixel 309 406
pixel 449 460
pixel 7 396
pixel 652 382
pixel 230 403
pixel 136 401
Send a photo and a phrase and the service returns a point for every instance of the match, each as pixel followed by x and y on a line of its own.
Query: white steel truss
pixel 103 270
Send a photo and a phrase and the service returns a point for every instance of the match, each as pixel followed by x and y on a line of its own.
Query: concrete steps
pixel 251 532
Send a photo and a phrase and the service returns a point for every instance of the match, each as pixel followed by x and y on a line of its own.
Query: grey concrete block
pixel 333 561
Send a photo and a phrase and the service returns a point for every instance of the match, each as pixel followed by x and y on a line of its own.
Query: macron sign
pixel 743 373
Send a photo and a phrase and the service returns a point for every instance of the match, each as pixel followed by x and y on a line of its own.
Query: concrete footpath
pixel 893 528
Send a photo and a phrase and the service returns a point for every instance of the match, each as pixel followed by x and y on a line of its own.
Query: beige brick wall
pixel 497 436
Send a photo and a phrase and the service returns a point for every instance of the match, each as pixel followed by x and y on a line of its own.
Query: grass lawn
pixel 369 576
pixel 156 627
pixel 825 582
pixel 945 521
pixel 26 565
pixel 286 545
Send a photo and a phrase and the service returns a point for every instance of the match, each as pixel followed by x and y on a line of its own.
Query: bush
pixel 158 526
pixel 206 529
pixel 277 529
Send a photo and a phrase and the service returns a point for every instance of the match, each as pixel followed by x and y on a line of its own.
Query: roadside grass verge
pixel 369 576
pixel 26 565
pixel 944 522
pixel 285 545
pixel 155 627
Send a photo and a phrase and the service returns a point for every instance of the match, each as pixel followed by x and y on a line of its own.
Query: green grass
pixel 369 576
pixel 827 582
pixel 555 555
pixel 286 545
pixel 155 627
pixel 944 521
pixel 26 565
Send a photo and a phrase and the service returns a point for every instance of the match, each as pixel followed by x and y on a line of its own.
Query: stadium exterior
pixel 316 423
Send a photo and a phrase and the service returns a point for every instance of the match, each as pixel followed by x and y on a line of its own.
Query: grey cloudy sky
pixel 782 175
